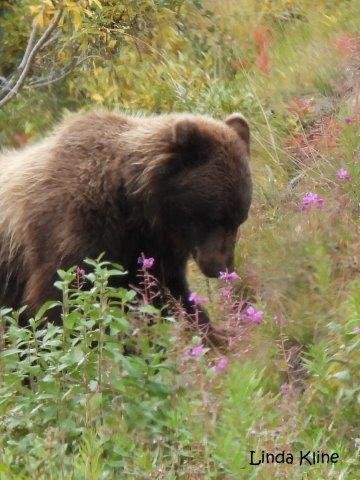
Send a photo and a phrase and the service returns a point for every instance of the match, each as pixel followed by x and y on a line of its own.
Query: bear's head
pixel 199 187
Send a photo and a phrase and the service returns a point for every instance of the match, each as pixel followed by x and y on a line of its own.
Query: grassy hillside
pixel 289 382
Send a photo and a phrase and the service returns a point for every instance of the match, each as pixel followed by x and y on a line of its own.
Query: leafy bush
pixel 81 377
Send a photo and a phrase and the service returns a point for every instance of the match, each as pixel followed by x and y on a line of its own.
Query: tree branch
pixel 44 81
pixel 29 47
pixel 13 86
pixel 52 78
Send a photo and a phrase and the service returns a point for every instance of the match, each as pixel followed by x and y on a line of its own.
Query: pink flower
pixel 197 299
pixel 197 351
pixel 229 276
pixel 221 364
pixel 146 263
pixel 285 388
pixel 348 120
pixel 252 315
pixel 343 174
pixel 80 272
pixel 357 330
pixel 79 277
pixel 311 199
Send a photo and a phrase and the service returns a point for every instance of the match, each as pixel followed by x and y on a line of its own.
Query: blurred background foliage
pixel 152 56
pixel 132 55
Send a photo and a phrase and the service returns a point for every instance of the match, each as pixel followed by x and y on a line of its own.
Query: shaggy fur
pixel 167 186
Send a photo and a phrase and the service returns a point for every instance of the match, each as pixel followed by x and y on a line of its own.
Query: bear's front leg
pixel 199 318
pixel 177 285
pixel 174 279
pixel 40 288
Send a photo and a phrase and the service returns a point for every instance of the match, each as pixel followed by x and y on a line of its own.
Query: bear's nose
pixel 211 269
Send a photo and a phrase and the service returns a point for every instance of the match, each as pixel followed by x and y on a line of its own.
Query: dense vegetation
pixel 107 396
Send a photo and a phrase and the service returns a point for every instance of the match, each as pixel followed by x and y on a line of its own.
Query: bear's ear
pixel 238 123
pixel 189 142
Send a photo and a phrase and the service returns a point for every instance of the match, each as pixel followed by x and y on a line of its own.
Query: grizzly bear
pixel 169 187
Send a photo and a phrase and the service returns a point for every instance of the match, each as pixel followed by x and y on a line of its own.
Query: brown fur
pixel 124 185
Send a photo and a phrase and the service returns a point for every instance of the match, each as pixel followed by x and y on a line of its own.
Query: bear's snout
pixel 213 259
pixel 211 268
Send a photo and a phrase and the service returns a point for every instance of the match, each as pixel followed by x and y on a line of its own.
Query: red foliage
pixel 300 146
pixel 263 39
pixel 262 61
pixel 326 133
pixel 322 135
pixel 260 46
pixel 21 138
pixel 300 106
pixel 346 44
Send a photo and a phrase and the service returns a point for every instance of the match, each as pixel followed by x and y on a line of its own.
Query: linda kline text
pixel 303 457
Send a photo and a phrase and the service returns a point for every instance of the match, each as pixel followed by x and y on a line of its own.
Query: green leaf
pixel 150 309
pixel 71 319
pixel 46 307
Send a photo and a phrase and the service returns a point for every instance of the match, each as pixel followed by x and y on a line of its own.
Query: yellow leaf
pixel 96 3
pixel 34 8
pixel 77 19
pixel 39 19
pixel 97 97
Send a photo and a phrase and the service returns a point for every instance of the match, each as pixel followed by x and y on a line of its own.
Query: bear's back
pixel 42 184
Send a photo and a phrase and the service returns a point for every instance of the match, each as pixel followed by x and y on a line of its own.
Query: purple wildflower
pixel 229 276
pixel 343 174
pixel 311 199
pixel 285 388
pixel 146 263
pixel 357 330
pixel 197 299
pixel 252 315
pixel 196 351
pixel 221 364
pixel 80 272
pixel 348 120
pixel 79 277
